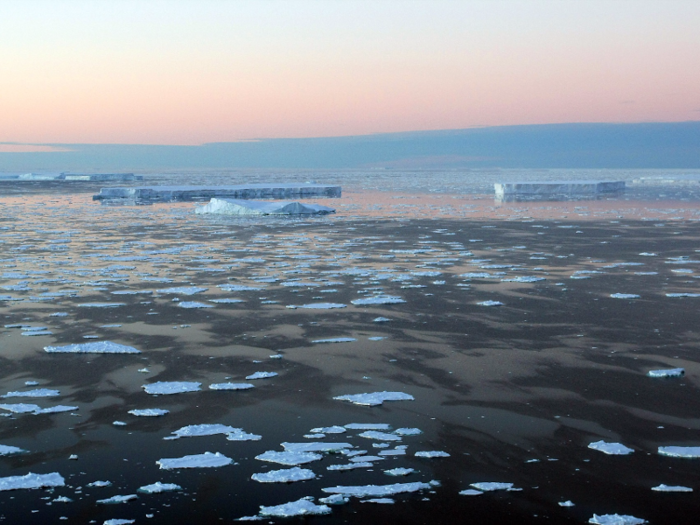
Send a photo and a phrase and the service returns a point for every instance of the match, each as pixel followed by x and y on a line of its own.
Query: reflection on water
pixel 514 393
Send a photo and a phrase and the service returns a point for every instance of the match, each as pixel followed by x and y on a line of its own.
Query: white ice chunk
pixel 118 521
pixel 613 449
pixel 288 458
pixel 242 436
pixel 302 507
pixel 27 408
pixel 408 431
pixel 381 320
pixel 206 460
pixel 194 304
pixel 523 279
pixel 230 386
pixel 375 398
pixel 624 296
pixel 100 484
pixel 381 501
pixel 316 447
pixel 380 436
pixel 567 503
pixel 378 299
pixel 377 490
pixel 261 375
pixel 470 492
pixel 172 387
pixel 182 290
pixel 286 475
pixel 149 412
pixel 365 459
pixel 157 487
pixel 32 481
pixel 335 499
pixel 336 340
pixel 671 488
pixel 114 500
pixel 98 347
pixel 680 452
pixel 671 372
pixel 683 294
pixel 368 426
pixel 399 471
pixel 319 306
pixel 329 430
pixel 101 305
pixel 616 519
pixel 37 392
pixel 351 466
pixel 490 303
pixel 488 486
pixel 432 454
pixel 6 450
pixel 203 430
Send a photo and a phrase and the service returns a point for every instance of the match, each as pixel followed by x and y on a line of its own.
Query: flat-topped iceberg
pixel 162 388
pixel 206 460
pixel 98 347
pixel 670 372
pixel 302 507
pixel 375 398
pixel 222 206
pixel 32 481
pixel 613 449
pixel 286 475
pixel 616 519
pixel 158 487
pixel 680 452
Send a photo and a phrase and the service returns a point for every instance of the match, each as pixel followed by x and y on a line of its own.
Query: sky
pixel 182 72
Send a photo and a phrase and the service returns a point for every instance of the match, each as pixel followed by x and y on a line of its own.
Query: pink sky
pixel 184 72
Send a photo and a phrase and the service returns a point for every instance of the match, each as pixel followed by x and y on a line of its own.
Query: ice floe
pixel 116 500
pixel 615 519
pixel 98 347
pixel 286 475
pixel 149 412
pixel 230 386
pixel 318 306
pixel 624 296
pixel 489 486
pixel 375 398
pixel 32 481
pixel 37 392
pixel 7 450
pixel 27 408
pixel 206 460
pixel 613 449
pixel 432 454
pixel 336 340
pixel 381 436
pixel 301 507
pixel 194 304
pixel 670 372
pixel 680 452
pixel 182 290
pixel 158 487
pixel 671 488
pixel 329 430
pixel 363 491
pixel 261 375
pixel 399 471
pixel 202 430
pixel 172 387
pixel 289 458
pixel 378 299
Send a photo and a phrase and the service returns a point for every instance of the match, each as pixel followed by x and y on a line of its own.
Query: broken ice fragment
pixel 38 392
pixel 399 471
pixel 288 458
pixel 432 454
pixel 613 449
pixel 287 475
pixel 490 303
pixel 172 387
pixel 377 490
pixel 671 488
pixel 149 412
pixel 32 481
pixel 329 430
pixel 100 484
pixel 368 426
pixel 194 304
pixel 230 386
pixel 101 305
pixel 375 398
pixel 470 492
pixel 624 296
pixel 336 340
pixel 117 499
pixel 378 299
pixel 182 290
pixel 6 450
pixel 101 347
pixel 118 521
pixel 381 436
pixel 351 466
pixel 261 375
pixel 567 503
pixel 239 435
pixel 159 487
pixel 488 486
pixel 318 306
pixel 302 507
pixel 671 372
pixel 26 408
pixel 316 447
pixel 202 430
pixel 206 460
pixel 616 519
pixel 408 431
pixel 680 452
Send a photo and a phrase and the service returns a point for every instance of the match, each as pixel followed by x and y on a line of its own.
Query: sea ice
pixel 680 452
pixel 118 521
pixel 101 305
pixel 613 449
pixel 375 399
pixel 378 299
pixel 490 303
pixel 286 475
pixel 408 431
pixel 32 481
pixel 100 347
pixel 336 340
pixel 432 454
pixel 288 458
pixel 399 471
pixel 100 484
pixel 381 436
pixel 683 294
pixel 194 304
pixel 368 426
pixel 149 412
pixel 470 492
pixel 351 466
pixel 523 279
pixel 206 460
pixel 671 372
pixel 159 487
pixel 226 300
pixel 302 507
pixel 318 306
pixel 230 386
pixel 616 519
pixel 377 490
pixel 488 486
pixel 239 435
pixel 114 500
pixel 316 447
pixel 182 290
pixel 624 296
pixel 329 430
pixel 172 387
pixel 27 408
pixel 6 450
pixel 671 488
pixel 202 430
pixel 37 392
pixel 381 320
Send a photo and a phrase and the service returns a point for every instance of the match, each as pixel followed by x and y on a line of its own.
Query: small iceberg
pixel 671 372
pixel 206 460
pixel 32 481
pixel 613 449
pixel 221 206
pixel 302 507
pixel 489 486
pixel 671 488
pixel 289 458
pixel 615 519
pixel 378 299
pixel 261 375
pixel 286 475
pixel 99 347
pixel 379 436
pixel 162 388
pixel 230 386
pixel 399 471
pixel 158 487
pixel 680 452
pixel 363 491
pixel 115 500
pixel 375 398
pixel 149 412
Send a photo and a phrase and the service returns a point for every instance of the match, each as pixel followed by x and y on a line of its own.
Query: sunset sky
pixel 193 72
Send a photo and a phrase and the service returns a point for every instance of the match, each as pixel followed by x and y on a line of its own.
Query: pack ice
pixel 98 347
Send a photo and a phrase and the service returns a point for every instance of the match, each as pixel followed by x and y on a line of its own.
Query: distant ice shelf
pixel 546 190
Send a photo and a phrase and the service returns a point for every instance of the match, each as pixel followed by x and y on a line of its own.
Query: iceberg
pixel 222 206
pixel 206 460
pixel 488 486
pixel 32 481
pixel 671 488
pixel 615 519
pixel 302 507
pixel 375 399
pixel 100 347
pixel 157 487
pixel 671 372
pixel 149 412
pixel 432 454
pixel 613 449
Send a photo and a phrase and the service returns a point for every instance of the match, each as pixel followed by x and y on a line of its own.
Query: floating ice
pixel 613 449
pixel 490 303
pixel 159 487
pixel 374 399
pixel 567 503
pixel 149 412
pixel 381 320
pixel 365 459
pixel 316 447
pixel 378 299
pixel 288 458
pixel 683 294
pixel 616 519
pixel 194 304
pixel 336 340
pixel 114 500
pixel 226 300
pixel 470 492
pixel 377 490
pixel 203 430
pixel 368 426
pixel 230 386
pixel 38 392
pixel 118 521
pixel 523 279
pixel 32 481
pixel 680 452
pixel 6 450
pixel 671 488
pixel 624 296
pixel 351 466
pixel 671 372
pixel 329 430
pixel 100 347
pixel 335 499
pixel 239 288
pixel 381 436
pixel 27 408
pixel 206 460
pixel 432 454
pixel 319 306
pixel 239 435
pixel 488 486
pixel 100 484
pixel 408 431
pixel 302 507
pixel 261 375
pixel 101 305
pixel 399 471
pixel 381 501
pixel 182 290
pixel 172 387
pixel 286 475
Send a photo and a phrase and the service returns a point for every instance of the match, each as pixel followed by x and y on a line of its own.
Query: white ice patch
pixel 101 305
pixel 616 519
pixel 149 412
pixel 375 398
pixel 613 449
pixel 302 507
pixel 261 375
pixel 351 466
pixel 27 408
pixel 381 320
pixel 432 454
pixel 683 294
pixel 380 436
pixel 680 452
pixel 368 426
pixel 206 460
pixel 671 488
pixel 490 303
pixel 624 296
pixel 32 481
pixel 399 471
pixel 157 487
pixel 230 386
pixel 98 347
pixel 239 288
pixel 172 387
pixel 6 450
pixel 523 279
pixel 329 430
pixel 318 306
pixel 470 492
pixel 226 300
pixel 408 431
pixel 115 500
pixel 378 299
pixel 242 436
pixel 363 491
pixel 336 340
pixel 194 304
pixel 182 290
pixel 118 521
pixel 203 430
pixel 316 447
pixel 288 458
pixel 489 486
pixel 37 392
pixel 671 372
pixel 100 484
pixel 286 475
